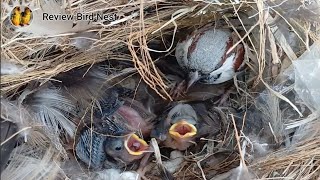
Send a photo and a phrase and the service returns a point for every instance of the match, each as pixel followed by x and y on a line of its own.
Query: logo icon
pixel 21 16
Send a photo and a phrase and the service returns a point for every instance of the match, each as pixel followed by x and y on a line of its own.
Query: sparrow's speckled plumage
pixel 203 55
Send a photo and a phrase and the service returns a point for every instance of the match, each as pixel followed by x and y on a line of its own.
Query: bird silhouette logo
pixel 21 16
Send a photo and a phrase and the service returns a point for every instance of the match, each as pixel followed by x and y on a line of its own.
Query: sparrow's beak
pixel 182 130
pixel 193 77
pixel 135 145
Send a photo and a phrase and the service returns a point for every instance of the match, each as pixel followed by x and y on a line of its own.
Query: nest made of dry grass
pixel 268 53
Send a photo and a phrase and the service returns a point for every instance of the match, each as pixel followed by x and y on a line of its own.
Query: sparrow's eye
pixel 118 148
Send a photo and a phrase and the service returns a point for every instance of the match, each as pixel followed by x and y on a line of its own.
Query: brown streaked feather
pixel 239 59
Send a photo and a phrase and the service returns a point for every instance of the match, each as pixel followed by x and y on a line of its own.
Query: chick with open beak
pixel 179 129
pixel 184 124
pixel 108 144
pixel 108 138
pixel 205 55
pixel 127 149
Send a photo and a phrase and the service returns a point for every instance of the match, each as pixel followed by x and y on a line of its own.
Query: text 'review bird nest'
pixel 148 89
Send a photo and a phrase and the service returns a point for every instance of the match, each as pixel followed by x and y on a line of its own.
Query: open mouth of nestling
pixel 182 129
pixel 135 145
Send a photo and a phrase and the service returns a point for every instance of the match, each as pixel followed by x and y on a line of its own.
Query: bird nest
pixel 140 43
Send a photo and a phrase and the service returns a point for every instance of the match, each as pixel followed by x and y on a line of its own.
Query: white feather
pixel 28 128
pixel 226 70
pixel 181 52
pixel 307 131
pixel 268 104
pixel 10 111
pixel 241 173
pixel 238 173
pixel 84 86
pixel 83 41
pixel 175 162
pixel 26 162
pixel 52 109
pixel 115 174
pixel 41 114
pixel 11 68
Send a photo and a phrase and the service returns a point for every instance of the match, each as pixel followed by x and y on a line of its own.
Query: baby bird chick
pixel 179 128
pixel 127 149
pixel 186 123
pixel 108 144
pixel 109 140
